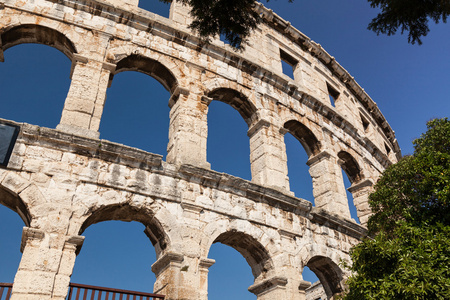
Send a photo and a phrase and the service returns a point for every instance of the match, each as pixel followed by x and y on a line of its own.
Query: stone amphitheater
pixel 62 180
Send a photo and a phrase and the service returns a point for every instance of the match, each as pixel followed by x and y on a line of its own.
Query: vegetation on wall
pixel 409 254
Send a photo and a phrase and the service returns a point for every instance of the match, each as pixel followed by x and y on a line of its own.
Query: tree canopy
pixel 409 255
pixel 235 19
pixel 411 16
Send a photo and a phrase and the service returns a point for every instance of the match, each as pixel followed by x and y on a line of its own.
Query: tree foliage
pixel 408 15
pixel 232 19
pixel 417 188
pixel 409 256
pixel 235 19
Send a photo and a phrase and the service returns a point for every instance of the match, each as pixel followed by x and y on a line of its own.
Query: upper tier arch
pixel 32 33
pixel 150 67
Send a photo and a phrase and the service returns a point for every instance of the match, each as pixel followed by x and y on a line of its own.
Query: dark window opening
pixel 333 95
pixel 365 123
pixel 388 150
pixel 288 64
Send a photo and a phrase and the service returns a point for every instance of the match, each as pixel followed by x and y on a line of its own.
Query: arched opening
pixel 37 34
pixel 228 143
pixel 315 291
pixel 13 217
pixel 305 136
pixel 34 80
pixel 353 174
pixel 347 184
pixel 230 276
pixel 116 252
pixel 237 100
pixel 300 179
pixel 251 250
pixel 156 6
pixel 136 111
pixel 330 275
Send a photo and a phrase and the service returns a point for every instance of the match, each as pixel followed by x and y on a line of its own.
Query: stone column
pixel 179 13
pixel 83 107
pixel 188 129
pixel 328 184
pixel 46 265
pixel 203 267
pixel 360 191
pixel 179 277
pixel 72 247
pixel 268 155
pixel 269 289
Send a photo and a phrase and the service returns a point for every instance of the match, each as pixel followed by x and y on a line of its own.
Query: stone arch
pixel 324 262
pixel 350 166
pixel 32 33
pixel 305 136
pixel 236 99
pixel 330 275
pixel 127 212
pixel 149 66
pixel 20 195
pixel 16 204
pixel 244 238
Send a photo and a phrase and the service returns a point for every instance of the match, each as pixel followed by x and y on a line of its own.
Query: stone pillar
pixel 269 289
pixel 360 191
pixel 179 13
pixel 72 247
pixel 328 184
pixel 203 267
pixel 188 129
pixel 268 156
pixel 83 107
pixel 302 287
pixel 46 265
pixel 179 277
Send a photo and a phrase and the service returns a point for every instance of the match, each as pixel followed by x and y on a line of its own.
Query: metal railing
pixel 5 290
pixel 85 292
pixel 89 292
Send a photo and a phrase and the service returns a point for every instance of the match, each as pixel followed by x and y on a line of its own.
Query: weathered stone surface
pixel 60 181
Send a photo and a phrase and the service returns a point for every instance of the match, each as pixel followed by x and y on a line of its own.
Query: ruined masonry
pixel 62 180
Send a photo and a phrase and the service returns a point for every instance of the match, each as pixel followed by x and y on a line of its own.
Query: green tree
pixel 408 15
pixel 409 254
pixel 235 19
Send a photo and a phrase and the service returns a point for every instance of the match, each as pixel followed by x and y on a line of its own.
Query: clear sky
pixel 409 83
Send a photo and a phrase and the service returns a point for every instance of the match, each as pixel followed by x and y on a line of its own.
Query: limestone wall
pixel 63 180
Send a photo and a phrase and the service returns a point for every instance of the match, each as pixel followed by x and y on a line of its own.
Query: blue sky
pixel 409 83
